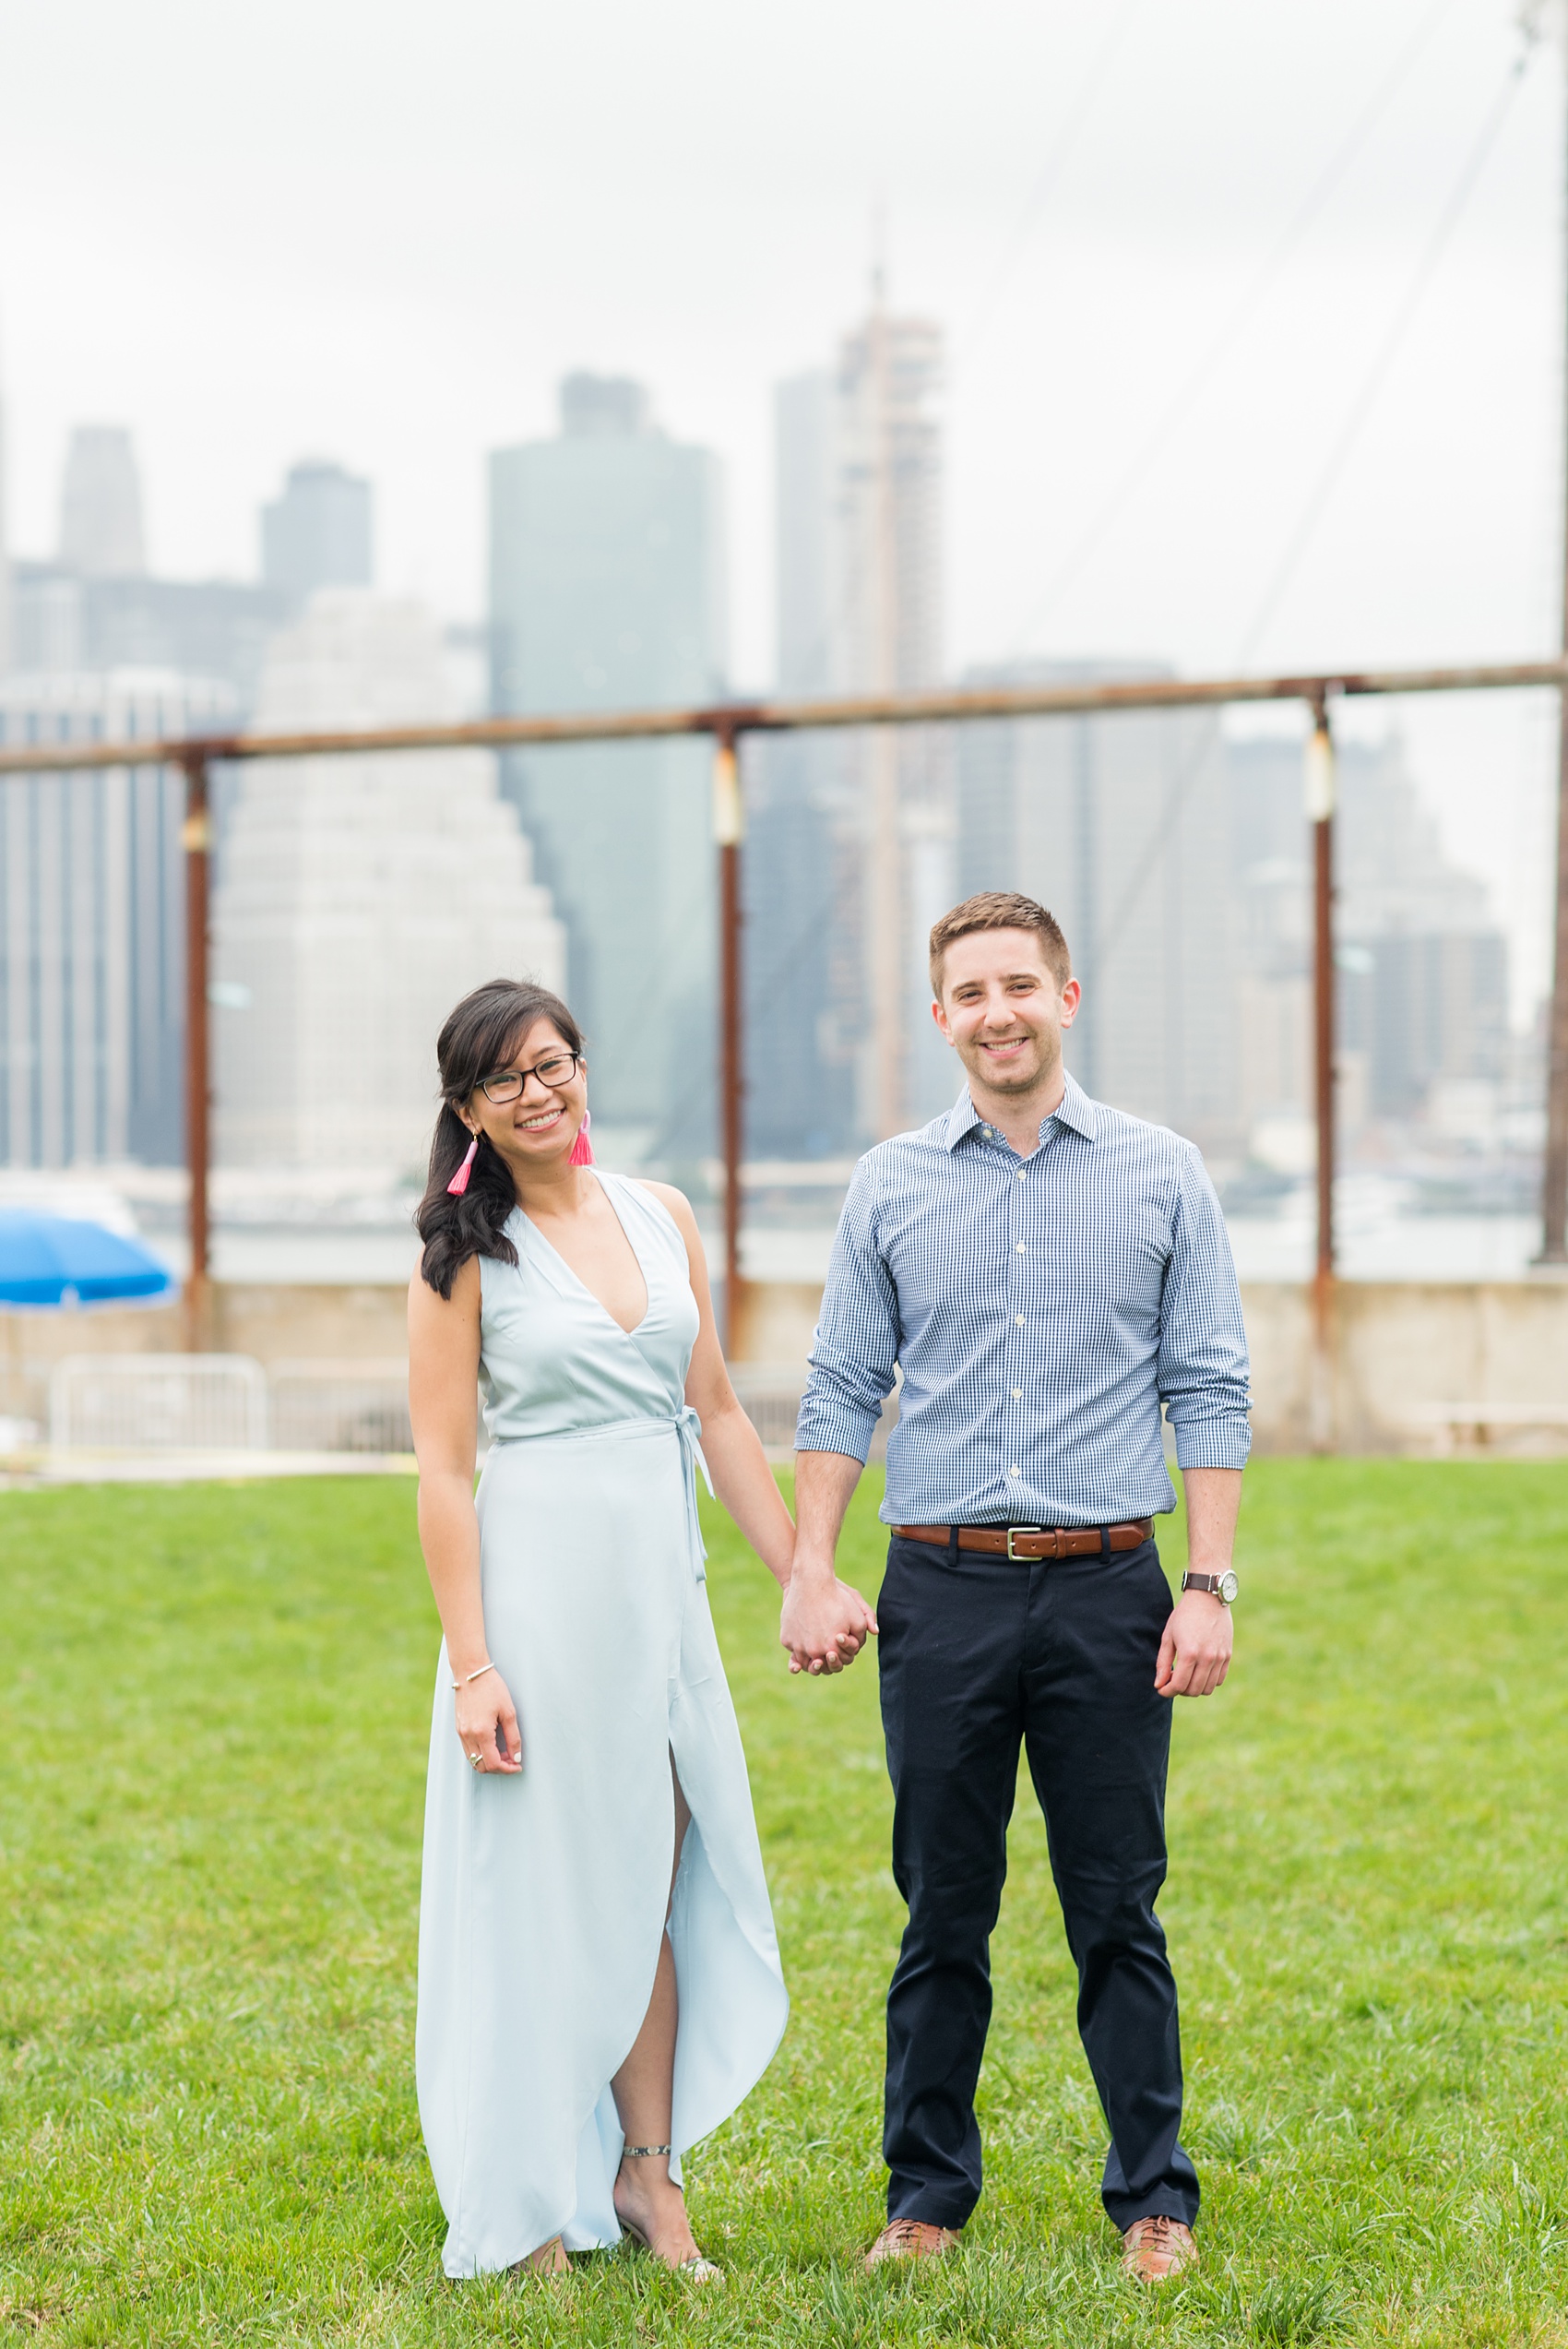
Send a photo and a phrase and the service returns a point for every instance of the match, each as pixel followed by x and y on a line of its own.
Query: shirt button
pixel 1018 1394
pixel 1015 1470
pixel 1020 1174
pixel 1022 1248
pixel 1019 1320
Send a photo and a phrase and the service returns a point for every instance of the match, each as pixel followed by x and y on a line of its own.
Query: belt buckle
pixel 1013 1554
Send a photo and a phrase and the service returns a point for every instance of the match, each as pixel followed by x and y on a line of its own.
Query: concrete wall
pixel 1403 1350
pixel 272 1321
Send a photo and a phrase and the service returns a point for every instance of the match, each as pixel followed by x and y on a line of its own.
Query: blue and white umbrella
pixel 54 1259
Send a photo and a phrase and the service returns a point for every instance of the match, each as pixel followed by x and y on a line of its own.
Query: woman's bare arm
pixel 731 1446
pixel 444 1410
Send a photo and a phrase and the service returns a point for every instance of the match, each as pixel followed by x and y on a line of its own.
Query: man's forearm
pixel 1213 1501
pixel 825 1484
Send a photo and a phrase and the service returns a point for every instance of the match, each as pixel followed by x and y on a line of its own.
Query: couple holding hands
pixel 599 1976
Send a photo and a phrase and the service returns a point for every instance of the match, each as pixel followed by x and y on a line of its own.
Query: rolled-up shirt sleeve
pixel 1203 1369
pixel 854 1352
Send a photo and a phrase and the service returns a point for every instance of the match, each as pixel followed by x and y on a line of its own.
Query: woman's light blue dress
pixel 544 1895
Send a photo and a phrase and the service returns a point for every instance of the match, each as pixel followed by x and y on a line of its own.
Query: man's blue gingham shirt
pixel 1041 1310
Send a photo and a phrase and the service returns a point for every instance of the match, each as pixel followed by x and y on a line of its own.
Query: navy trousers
pixel 977 1655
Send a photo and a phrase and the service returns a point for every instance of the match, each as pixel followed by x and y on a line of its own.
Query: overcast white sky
pixel 381 233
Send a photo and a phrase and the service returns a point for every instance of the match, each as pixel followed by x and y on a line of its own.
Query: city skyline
pixel 1179 253
pixel 608 589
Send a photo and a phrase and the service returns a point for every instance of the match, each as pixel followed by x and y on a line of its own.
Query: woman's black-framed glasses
pixel 556 1070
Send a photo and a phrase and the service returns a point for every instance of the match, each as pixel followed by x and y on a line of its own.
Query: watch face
pixel 1228 1586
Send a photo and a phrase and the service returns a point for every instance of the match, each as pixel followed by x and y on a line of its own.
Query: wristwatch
pixel 1222 1586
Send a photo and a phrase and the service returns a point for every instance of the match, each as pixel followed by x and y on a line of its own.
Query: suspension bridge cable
pixel 1262 283
pixel 974 328
pixel 1312 514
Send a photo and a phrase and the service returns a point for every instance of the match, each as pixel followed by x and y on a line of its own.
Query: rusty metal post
pixel 195 838
pixel 729 828
pixel 1320 783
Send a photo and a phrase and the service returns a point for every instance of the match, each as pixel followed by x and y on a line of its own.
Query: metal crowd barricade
pixel 157 1402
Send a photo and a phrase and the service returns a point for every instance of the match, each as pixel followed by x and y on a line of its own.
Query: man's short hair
pixel 1000 910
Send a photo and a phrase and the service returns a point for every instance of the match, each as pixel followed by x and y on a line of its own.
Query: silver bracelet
pixel 473 1675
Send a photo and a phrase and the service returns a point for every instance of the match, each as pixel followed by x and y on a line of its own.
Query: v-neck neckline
pixel 576 1277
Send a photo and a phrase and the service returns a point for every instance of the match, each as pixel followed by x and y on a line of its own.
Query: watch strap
pixel 1213 1584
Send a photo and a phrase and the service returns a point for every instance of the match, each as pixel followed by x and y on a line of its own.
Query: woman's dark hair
pixel 475 1042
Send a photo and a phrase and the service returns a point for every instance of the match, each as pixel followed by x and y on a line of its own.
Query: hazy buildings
pixel 1121 825
pixel 804 851
pixel 100 516
pixel 81 614
pixel 317 533
pixel 215 628
pixel 4 550
pixel 92 926
pixel 1422 965
pixel 1178 862
pixel 607 591
pixel 358 899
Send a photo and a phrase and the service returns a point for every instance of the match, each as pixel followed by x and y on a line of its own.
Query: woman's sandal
pixel 545 2264
pixel 696 2269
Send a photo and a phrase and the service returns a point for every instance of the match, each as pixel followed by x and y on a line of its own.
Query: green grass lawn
pixel 211 1761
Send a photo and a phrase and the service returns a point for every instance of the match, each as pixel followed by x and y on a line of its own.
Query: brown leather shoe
pixel 1156 2249
pixel 910 2240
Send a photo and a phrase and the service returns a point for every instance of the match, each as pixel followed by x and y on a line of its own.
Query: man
pixel 1046 1273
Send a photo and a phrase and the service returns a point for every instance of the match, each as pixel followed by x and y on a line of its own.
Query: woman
pixel 587 1784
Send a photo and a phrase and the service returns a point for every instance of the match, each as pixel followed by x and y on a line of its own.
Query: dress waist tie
pixel 688 1426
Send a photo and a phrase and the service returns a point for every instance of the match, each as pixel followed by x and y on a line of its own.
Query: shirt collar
pixel 1073 1109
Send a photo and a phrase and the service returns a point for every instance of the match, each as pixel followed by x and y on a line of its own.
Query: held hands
pixel 1194 1654
pixel 487 1727
pixel 825 1623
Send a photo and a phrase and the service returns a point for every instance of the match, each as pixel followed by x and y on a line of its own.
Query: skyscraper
pixel 607 591
pixel 100 516
pixel 317 533
pixel 358 899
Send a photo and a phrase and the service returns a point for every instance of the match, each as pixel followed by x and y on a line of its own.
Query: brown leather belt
pixel 1029 1543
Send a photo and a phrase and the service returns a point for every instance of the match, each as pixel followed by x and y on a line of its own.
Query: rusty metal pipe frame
pixel 729 720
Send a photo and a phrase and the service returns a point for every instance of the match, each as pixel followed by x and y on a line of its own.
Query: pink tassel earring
pixel 459 1182
pixel 581 1151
